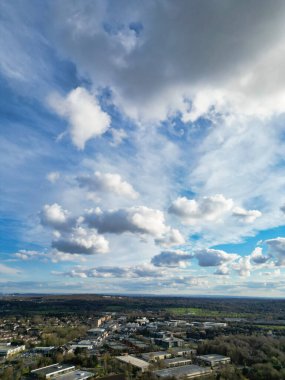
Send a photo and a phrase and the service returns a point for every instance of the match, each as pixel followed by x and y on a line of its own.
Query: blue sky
pixel 142 152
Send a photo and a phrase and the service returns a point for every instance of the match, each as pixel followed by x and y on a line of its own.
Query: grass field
pixel 199 312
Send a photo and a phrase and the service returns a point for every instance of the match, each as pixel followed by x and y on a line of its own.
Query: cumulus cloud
pixel 207 208
pixel 172 238
pixel 246 216
pixel 55 216
pixel 276 248
pixel 81 241
pixel 107 182
pixel 213 257
pixel 139 219
pixel 257 256
pixel 243 266
pixel 222 270
pixel 83 112
pixel 171 259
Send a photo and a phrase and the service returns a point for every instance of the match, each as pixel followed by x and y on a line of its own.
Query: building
pixel 52 371
pixel 213 360
pixel 44 350
pixel 176 362
pixel 158 355
pixel 183 372
pixel 178 351
pixel 169 342
pixel 134 362
pixel 8 350
pixel 75 375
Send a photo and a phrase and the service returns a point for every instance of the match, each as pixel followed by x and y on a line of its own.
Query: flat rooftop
pixel 176 360
pixel 53 369
pixel 190 370
pixel 213 357
pixel 75 375
pixel 136 362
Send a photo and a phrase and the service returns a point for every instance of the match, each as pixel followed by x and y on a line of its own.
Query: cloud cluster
pixel 276 248
pixel 138 271
pixel 207 208
pixel 171 259
pixel 107 183
pixel 140 220
pixel 214 257
pixel 226 66
pixel 210 208
pixel 83 112
pixel 81 241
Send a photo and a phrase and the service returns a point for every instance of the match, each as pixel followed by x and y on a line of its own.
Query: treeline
pixel 260 357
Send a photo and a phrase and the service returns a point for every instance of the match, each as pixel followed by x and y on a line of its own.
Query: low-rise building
pixel 158 355
pixel 179 351
pixel 176 362
pixel 52 371
pixel 183 372
pixel 213 360
pixel 134 362
pixel 75 375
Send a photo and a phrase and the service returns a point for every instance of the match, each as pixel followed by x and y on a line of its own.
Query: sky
pixel 142 147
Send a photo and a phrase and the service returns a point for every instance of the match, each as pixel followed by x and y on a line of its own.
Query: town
pixel 136 344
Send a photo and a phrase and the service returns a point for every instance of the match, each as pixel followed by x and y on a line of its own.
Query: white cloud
pixel 6 270
pixel 139 219
pixel 107 182
pixel 257 256
pixel 243 266
pixel 53 176
pixel 171 259
pixel 55 216
pixel 207 208
pixel 24 254
pixel 222 270
pixel 118 136
pixel 138 271
pixel 81 241
pixel 276 248
pixel 246 216
pixel 173 237
pixel 82 110
pixel 213 257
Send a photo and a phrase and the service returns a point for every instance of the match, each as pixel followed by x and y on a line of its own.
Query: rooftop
pixel 213 357
pixel 133 361
pixel 74 375
pixel 52 369
pixel 182 371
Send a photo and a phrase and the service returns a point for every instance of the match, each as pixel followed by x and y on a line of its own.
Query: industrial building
pixel 213 360
pixel 183 372
pixel 176 362
pixel 52 371
pixel 158 355
pixel 75 375
pixel 134 362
